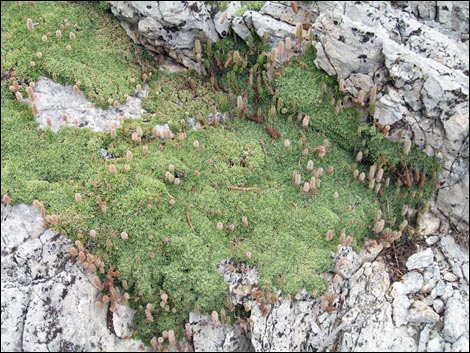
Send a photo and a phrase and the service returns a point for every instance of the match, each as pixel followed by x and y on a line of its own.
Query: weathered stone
pixel 438 305
pixel 458 259
pixel 240 26
pixel 455 319
pixel 346 262
pixel 282 11
pixel 268 27
pixel 421 73
pixel 429 224
pixel 48 303
pixel 123 324
pixel 432 240
pixel 413 281
pixel 54 100
pixel 223 27
pixel 209 336
pixel 241 283
pixel 461 345
pixel 420 313
pixel 168 27
pixel 420 260
pixel 434 345
pixel 450 277
pixel 19 224
pixel 401 304
pixel 431 276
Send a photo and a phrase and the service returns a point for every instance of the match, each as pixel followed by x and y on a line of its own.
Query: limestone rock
pixel 422 75
pixel 223 27
pixel 167 27
pixel 420 313
pixel 217 337
pixel 458 259
pixel 420 260
pixel 54 100
pixel 413 281
pixel 346 262
pixel 272 29
pixel 455 319
pixel 47 302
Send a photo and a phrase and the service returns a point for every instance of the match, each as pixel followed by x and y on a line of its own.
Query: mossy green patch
pixel 99 56
pixel 245 6
pixel 236 169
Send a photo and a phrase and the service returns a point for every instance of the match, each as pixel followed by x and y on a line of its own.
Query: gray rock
pixel 461 345
pixel 229 13
pixel 456 256
pixel 434 345
pixel 14 303
pixel 401 304
pixel 19 224
pixel 288 325
pixel 429 224
pixel 420 313
pixel 420 260
pixel 281 10
pixel 48 303
pixel 241 283
pixel 432 240
pixel 438 305
pixel 439 289
pixel 346 262
pixel 413 282
pixel 421 71
pixel 54 100
pixel 169 27
pixel 448 291
pixel 123 323
pixel 241 27
pixel 431 276
pixel 267 26
pixel 450 277
pixel 423 339
pixel 209 336
pixel 455 319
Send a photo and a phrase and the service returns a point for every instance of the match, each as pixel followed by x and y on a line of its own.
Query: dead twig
pixel 242 188
pixel 188 218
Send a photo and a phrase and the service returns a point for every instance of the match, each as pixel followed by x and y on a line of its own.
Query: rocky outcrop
pixel 427 310
pixel 167 28
pixel 210 336
pixel 448 17
pixel 47 302
pixel 55 101
pixel 422 76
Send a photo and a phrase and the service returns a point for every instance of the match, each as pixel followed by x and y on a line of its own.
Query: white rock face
pixel 47 302
pixel 55 100
pixel 455 319
pixel 422 74
pixel 167 27
pixel 217 337
pixel 420 260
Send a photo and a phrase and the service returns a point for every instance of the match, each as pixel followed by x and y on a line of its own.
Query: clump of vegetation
pixel 277 187
pixel 245 6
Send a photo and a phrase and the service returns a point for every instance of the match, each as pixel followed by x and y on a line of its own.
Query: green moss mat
pixel 174 244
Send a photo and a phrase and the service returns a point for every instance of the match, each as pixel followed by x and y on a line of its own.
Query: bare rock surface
pixel 418 59
pixel 55 101
pixel 47 302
